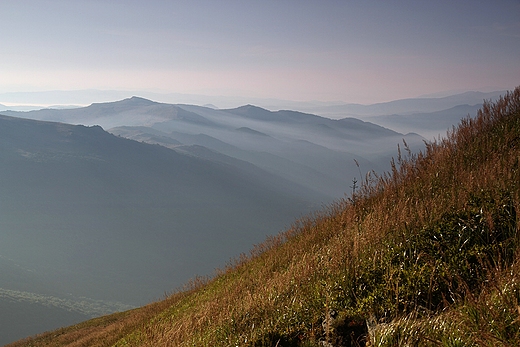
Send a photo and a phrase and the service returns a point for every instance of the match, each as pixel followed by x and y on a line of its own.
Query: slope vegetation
pixel 425 255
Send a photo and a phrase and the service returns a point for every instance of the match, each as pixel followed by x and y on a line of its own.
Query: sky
pixel 327 50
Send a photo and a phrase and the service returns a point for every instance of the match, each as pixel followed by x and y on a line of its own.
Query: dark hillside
pixel 89 213
pixel 425 255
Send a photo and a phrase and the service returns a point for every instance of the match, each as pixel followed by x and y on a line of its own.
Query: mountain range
pixel 426 254
pixel 96 221
pixel 313 151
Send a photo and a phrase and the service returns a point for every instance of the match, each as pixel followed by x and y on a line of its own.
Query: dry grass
pixel 377 259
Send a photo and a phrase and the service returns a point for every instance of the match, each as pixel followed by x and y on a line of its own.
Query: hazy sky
pixel 352 51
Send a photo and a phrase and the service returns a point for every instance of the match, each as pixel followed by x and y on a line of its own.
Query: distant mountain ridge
pixel 376 113
pixel 333 109
pixel 431 124
pixel 406 106
pixel 327 168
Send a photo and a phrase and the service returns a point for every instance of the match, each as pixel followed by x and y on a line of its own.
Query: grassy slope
pixel 425 255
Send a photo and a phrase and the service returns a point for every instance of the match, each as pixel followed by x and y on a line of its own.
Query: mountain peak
pixel 139 101
pixel 134 101
pixel 253 112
